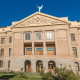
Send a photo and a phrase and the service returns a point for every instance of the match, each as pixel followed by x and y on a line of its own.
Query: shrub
pixel 46 76
pixel 21 69
pixel 65 74
pixel 11 71
pixel 21 73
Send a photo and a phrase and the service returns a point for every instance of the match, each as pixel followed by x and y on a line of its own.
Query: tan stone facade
pixel 40 40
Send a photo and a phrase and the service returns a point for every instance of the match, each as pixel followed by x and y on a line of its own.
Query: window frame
pixel 10 39
pixel 28 36
pixel 10 49
pixel 75 50
pixel 26 50
pixel 1 66
pixel 51 50
pixel 76 67
pixel 2 40
pixel 39 48
pixel 49 35
pixel 38 34
pixel 2 52
pixel 72 37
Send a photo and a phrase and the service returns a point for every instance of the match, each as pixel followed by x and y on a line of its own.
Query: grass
pixel 17 76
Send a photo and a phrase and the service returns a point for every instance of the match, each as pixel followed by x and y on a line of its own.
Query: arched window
pixel 9 64
pixel 1 63
pixel 51 64
pixel 27 66
pixel 76 66
pixel 39 66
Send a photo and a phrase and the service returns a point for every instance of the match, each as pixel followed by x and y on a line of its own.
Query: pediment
pixel 38 19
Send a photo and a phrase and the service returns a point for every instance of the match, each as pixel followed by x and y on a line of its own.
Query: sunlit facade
pixel 40 41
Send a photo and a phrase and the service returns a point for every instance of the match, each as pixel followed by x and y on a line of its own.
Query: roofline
pixel 46 15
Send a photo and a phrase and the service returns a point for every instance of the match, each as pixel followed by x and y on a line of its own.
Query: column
pixel 33 65
pixel 33 48
pixel 45 65
pixel 44 48
pixel 56 44
pixel 23 44
pixel 44 44
pixel 32 38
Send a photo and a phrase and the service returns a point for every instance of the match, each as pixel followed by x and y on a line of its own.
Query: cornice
pixel 39 26
pixel 42 14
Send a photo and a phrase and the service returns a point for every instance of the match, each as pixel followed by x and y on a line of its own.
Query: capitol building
pixel 40 41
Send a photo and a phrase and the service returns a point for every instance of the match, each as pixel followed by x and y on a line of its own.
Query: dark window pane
pixel 72 37
pixel 38 35
pixel 10 39
pixel 27 36
pixel 2 52
pixel 2 40
pixel 50 49
pixel 1 64
pixel 39 49
pixel 74 51
pixel 9 51
pixel 77 66
pixel 8 64
pixel 29 49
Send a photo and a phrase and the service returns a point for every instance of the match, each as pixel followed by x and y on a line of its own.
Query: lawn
pixel 17 76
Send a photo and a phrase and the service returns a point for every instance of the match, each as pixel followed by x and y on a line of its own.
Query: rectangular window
pixel 9 51
pixel 74 51
pixel 38 35
pixel 27 36
pixel 2 40
pixel 2 52
pixel 39 51
pixel 28 51
pixel 50 51
pixel 10 39
pixel 1 64
pixel 49 35
pixel 73 37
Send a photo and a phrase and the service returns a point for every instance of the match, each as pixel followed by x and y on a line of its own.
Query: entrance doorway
pixel 51 66
pixel 27 66
pixel 8 65
pixel 39 66
pixel 76 66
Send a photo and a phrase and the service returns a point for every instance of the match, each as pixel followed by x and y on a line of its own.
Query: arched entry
pixel 8 65
pixel 76 66
pixel 51 66
pixel 39 66
pixel 27 66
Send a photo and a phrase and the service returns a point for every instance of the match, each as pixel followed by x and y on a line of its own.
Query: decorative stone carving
pixel 38 20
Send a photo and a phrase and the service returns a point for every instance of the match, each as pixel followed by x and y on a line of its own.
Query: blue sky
pixel 15 10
